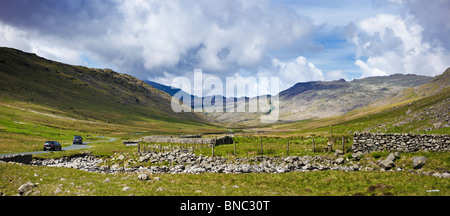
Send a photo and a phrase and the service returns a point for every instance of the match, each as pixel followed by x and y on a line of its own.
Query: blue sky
pixel 295 40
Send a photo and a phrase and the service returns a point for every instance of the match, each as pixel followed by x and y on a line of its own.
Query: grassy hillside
pixel 320 99
pixel 81 92
pixel 42 99
pixel 420 109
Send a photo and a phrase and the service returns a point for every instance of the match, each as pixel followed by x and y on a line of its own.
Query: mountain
pixel 168 89
pixel 195 100
pixel 416 109
pixel 84 93
pixel 320 99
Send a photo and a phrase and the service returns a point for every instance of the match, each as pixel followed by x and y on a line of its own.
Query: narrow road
pixel 71 147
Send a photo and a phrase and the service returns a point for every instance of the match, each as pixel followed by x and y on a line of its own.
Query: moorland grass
pixel 72 182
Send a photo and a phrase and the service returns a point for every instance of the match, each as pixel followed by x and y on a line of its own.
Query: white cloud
pixel 393 44
pixel 335 75
pixel 397 1
pixel 298 70
pixel 153 37
pixel 369 71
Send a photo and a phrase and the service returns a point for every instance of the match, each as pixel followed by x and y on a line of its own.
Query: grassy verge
pixel 23 131
pixel 71 182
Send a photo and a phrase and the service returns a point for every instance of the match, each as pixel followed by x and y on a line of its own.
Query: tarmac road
pixel 68 148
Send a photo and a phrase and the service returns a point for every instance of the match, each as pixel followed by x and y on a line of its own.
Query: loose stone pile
pixel 179 161
pixel 82 162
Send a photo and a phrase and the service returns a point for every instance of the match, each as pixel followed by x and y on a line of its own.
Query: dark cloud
pixel 433 16
pixel 57 17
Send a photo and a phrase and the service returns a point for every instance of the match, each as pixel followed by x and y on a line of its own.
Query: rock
pixel 338 152
pixel 357 155
pixel 340 161
pixel 144 158
pixel 126 189
pixel 419 162
pixel 143 177
pixel 391 157
pixel 26 187
pixel 57 190
pixel 160 189
pixel 107 180
pixel 387 164
pixel 445 175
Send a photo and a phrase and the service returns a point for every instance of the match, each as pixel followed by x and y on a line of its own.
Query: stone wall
pixel 369 142
pixel 21 158
pixel 189 140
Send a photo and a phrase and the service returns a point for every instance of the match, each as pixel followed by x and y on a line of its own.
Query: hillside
pixel 418 109
pixel 321 99
pixel 83 93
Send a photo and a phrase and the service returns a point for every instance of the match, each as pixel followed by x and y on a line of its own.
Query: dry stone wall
pixel 19 158
pixel 401 142
pixel 189 140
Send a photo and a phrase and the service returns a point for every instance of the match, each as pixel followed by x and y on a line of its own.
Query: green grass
pixel 22 131
pixel 325 183
pixel 249 146
pixel 381 119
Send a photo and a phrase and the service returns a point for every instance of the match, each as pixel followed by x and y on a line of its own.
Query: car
pixel 52 146
pixel 77 140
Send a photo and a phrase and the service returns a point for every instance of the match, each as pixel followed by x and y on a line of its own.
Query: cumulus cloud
pixel 388 44
pixel 433 17
pixel 293 71
pixel 153 38
pixel 335 75
pixel 160 40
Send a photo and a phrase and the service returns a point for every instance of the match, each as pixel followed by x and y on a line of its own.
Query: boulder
pixel 391 157
pixel 445 175
pixel 126 189
pixel 340 161
pixel 338 152
pixel 419 162
pixel 357 155
pixel 387 164
pixel 26 187
pixel 143 177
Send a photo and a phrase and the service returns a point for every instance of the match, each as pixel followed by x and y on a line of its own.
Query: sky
pixel 294 40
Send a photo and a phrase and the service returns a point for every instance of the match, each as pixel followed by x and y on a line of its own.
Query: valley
pixel 43 100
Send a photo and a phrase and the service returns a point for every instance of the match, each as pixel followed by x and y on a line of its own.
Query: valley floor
pixel 50 181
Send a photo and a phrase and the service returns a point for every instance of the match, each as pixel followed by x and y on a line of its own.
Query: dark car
pixel 78 140
pixel 52 146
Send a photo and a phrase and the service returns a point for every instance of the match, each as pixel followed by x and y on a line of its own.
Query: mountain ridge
pixel 84 93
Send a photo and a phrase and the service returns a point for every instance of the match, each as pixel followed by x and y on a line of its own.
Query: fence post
pixel 261 147
pixel 288 147
pixel 213 149
pixel 314 147
pixel 234 143
pixel 139 148
pixel 343 144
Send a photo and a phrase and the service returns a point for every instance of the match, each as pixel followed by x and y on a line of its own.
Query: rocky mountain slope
pixel 319 99
pixel 422 108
